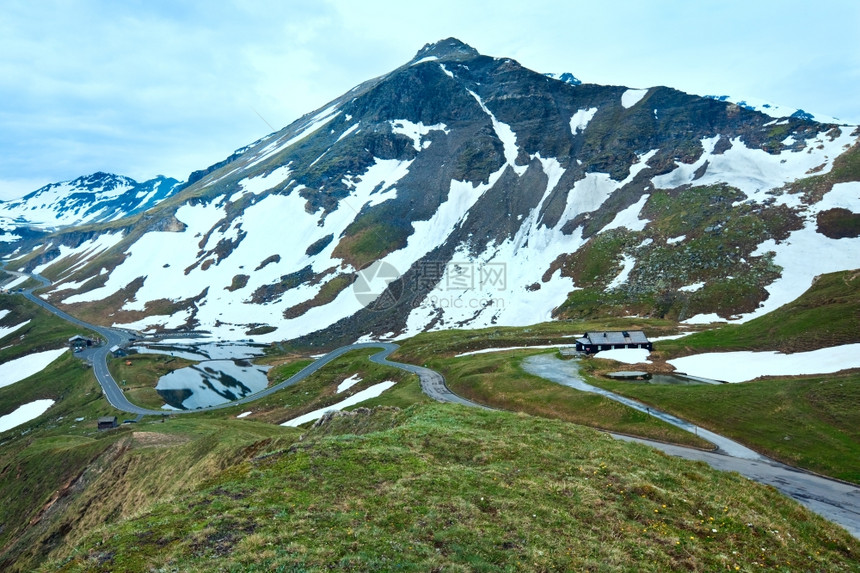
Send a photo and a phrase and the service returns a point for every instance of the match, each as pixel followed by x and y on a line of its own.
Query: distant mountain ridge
pixel 775 110
pixel 94 198
pixel 462 190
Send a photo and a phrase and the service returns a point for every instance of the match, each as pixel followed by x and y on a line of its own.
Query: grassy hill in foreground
pixel 812 422
pixel 439 487
pixel 395 487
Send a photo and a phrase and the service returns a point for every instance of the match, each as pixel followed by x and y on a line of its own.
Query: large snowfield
pixel 24 413
pixel 745 365
pixel 25 366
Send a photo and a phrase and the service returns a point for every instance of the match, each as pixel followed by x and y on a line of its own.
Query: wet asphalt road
pixel 432 383
pixel 834 500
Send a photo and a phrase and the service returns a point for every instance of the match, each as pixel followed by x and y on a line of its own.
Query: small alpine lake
pixel 223 373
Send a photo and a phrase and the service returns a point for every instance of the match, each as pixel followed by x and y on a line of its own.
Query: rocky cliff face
pixel 462 190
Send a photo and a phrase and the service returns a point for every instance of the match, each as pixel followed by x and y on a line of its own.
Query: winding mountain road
pixel 432 383
pixel 834 500
pixel 837 501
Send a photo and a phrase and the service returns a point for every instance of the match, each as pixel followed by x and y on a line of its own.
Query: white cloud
pixel 148 88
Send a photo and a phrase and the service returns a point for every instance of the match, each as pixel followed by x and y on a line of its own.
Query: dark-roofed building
pixel 107 422
pixel 78 342
pixel 592 342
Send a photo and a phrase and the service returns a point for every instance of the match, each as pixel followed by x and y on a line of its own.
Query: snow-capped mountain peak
pixel 88 199
pixel 462 190
pixel 775 110
pixel 565 77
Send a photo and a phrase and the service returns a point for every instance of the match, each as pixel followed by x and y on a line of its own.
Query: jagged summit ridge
pixel 447 49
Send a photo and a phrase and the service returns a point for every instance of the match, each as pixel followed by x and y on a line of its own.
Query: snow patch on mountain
pixel 627 264
pixel 805 254
pixel 425 59
pixel 580 120
pixel 309 127
pixel 377 184
pixel 24 413
pixel 348 383
pixel 366 394
pixel 629 217
pixel 430 234
pixel 158 254
pixel 589 193
pixel 7 330
pixel 773 109
pixel 491 287
pixel 350 130
pixel 416 131
pixel 631 97
pixel 745 365
pixel 20 368
pixel 263 183
pixel 82 254
pixel 506 135
pixel 626 355
pixel 755 171
pixel 16 282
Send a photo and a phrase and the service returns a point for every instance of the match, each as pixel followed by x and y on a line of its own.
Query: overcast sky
pixel 148 87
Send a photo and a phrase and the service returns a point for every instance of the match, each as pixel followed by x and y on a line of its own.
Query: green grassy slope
pixel 44 331
pixel 84 481
pixel 827 314
pixel 497 380
pixel 812 422
pixel 403 488
pixel 448 488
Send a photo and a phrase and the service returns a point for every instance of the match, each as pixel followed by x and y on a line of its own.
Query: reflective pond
pixel 674 379
pixel 223 373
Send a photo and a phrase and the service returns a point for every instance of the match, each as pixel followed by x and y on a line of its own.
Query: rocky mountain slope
pixel 462 190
